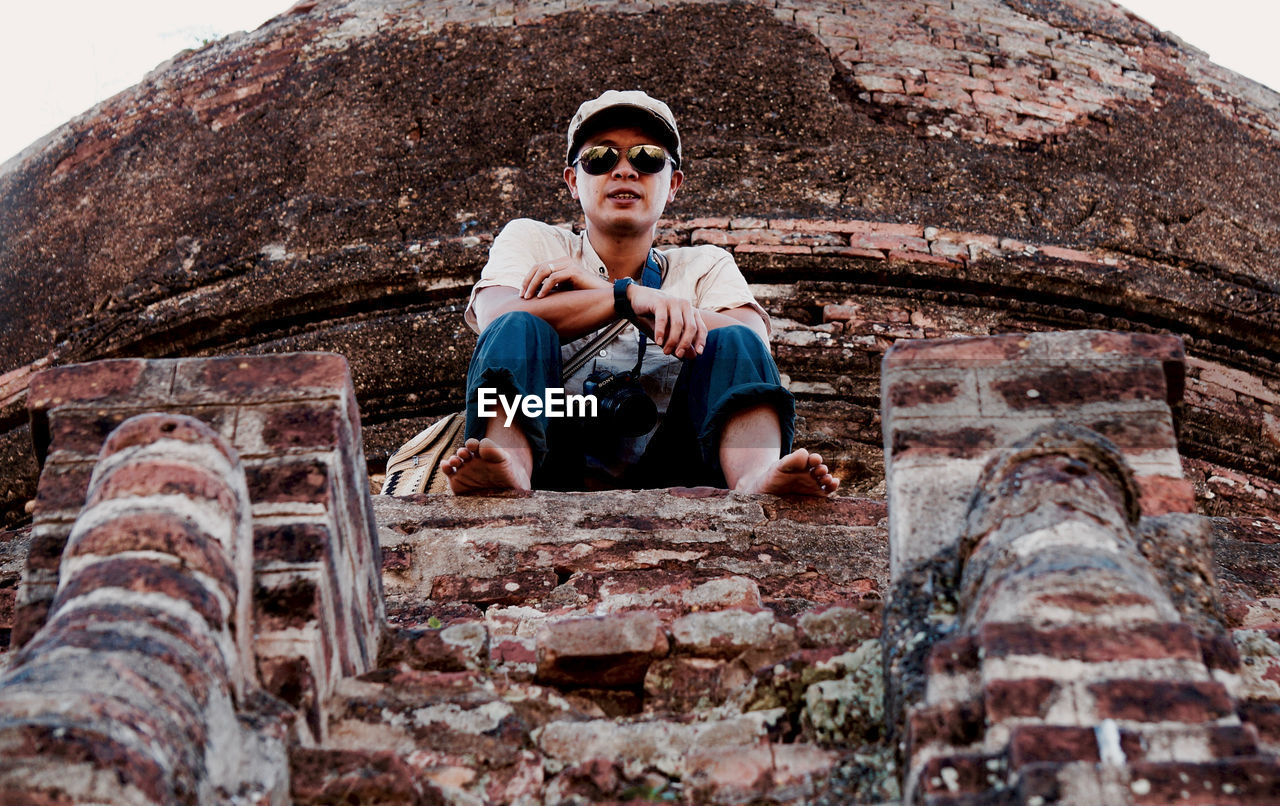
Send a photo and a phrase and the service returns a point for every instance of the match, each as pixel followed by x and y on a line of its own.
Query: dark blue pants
pixel 518 353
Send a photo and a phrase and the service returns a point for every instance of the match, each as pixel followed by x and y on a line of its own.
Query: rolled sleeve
pixel 520 245
pixel 723 287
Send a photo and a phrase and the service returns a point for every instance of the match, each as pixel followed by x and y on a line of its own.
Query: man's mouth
pixel 624 195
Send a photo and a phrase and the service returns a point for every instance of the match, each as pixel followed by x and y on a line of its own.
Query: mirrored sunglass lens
pixel 599 159
pixel 647 159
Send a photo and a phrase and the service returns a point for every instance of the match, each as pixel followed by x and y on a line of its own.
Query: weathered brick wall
pixel 129 693
pixel 413 131
pixel 1056 632
pixel 688 645
pixel 316 588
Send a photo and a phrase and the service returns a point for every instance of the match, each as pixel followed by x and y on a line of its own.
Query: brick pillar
pixel 128 693
pixel 317 586
pixel 1033 647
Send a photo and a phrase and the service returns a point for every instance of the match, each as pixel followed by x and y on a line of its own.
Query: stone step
pixel 594 553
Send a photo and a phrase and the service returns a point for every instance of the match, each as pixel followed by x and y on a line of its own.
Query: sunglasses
pixel 646 159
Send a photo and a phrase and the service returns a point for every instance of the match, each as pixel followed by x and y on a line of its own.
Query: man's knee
pixel 736 340
pixel 514 322
pixel 520 333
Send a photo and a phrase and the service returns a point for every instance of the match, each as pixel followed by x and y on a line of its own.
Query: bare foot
pixel 482 466
pixel 797 473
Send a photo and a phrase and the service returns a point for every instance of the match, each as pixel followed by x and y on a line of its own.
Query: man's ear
pixel 677 179
pixel 571 179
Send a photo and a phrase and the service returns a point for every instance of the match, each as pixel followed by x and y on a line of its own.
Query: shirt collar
pixel 590 259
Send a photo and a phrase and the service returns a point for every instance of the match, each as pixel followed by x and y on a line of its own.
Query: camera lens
pixel 631 411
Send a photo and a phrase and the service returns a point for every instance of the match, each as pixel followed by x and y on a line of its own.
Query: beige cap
pixel 659 112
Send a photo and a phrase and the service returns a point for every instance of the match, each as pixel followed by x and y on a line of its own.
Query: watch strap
pixel 621 302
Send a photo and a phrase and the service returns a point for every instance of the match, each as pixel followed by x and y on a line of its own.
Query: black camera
pixel 623 408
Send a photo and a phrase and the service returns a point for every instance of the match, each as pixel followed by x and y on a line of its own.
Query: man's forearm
pixel 573 314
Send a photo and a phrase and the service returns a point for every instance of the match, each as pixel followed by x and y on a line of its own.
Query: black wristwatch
pixel 621 303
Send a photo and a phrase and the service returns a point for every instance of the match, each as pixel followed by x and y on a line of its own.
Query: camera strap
pixel 651 276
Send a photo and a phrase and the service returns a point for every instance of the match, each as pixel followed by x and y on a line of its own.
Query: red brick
pixel 892 242
pixel 1144 345
pixel 735 237
pixel 126 766
pixel 164 478
pixel 301 425
pixel 145 576
pixel 162 531
pixel 610 651
pixel 286 602
pixel 1237 781
pixel 28 618
pixel 1092 643
pixel 956 724
pixel 80 383
pixel 294 542
pixel 816 226
pixel 1233 741
pixel 1032 744
pixel 913 256
pixel 150 427
pixel 424 650
pixel 62 489
pixel 45 551
pixel 1220 652
pixel 957 443
pixel 719 222
pixel 1161 495
pixel 1135 432
pixel 906 395
pixel 849 251
pixel 1023 697
pixel 682 684
pixel 79 433
pixel 1264 716
pixel 291 679
pixel 844 511
pixel 302 480
pixel 505 590
pixel 261 378
pixel 776 249
pixel 350 776
pixel 1161 700
pixel 957 351
pixel 1031 390
pixel 886 229
pixel 954 656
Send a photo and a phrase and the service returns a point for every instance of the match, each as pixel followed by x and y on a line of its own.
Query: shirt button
pixel 604 353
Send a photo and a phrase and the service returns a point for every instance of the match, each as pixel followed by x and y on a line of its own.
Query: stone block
pixel 1090 643
pixel 259 379
pixel 1161 700
pixel 1059 744
pixel 1023 697
pixel 728 632
pixel 611 651
pixel 117 380
pixel 937 393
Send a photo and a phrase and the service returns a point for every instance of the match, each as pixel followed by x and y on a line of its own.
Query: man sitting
pixel 723 417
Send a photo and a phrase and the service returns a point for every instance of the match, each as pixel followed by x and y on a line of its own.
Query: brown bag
pixel 415 468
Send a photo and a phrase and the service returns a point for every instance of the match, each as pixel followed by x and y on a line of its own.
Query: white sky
pixel 59 59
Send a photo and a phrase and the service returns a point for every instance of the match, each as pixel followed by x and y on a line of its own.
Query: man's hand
pixel 678 327
pixel 544 278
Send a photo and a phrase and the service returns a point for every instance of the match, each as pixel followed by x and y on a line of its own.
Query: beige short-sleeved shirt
pixel 705 275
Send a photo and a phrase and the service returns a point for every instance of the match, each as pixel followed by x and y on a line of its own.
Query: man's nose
pixel 623 169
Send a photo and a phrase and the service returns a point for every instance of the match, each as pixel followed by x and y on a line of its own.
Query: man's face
pixel 623 202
